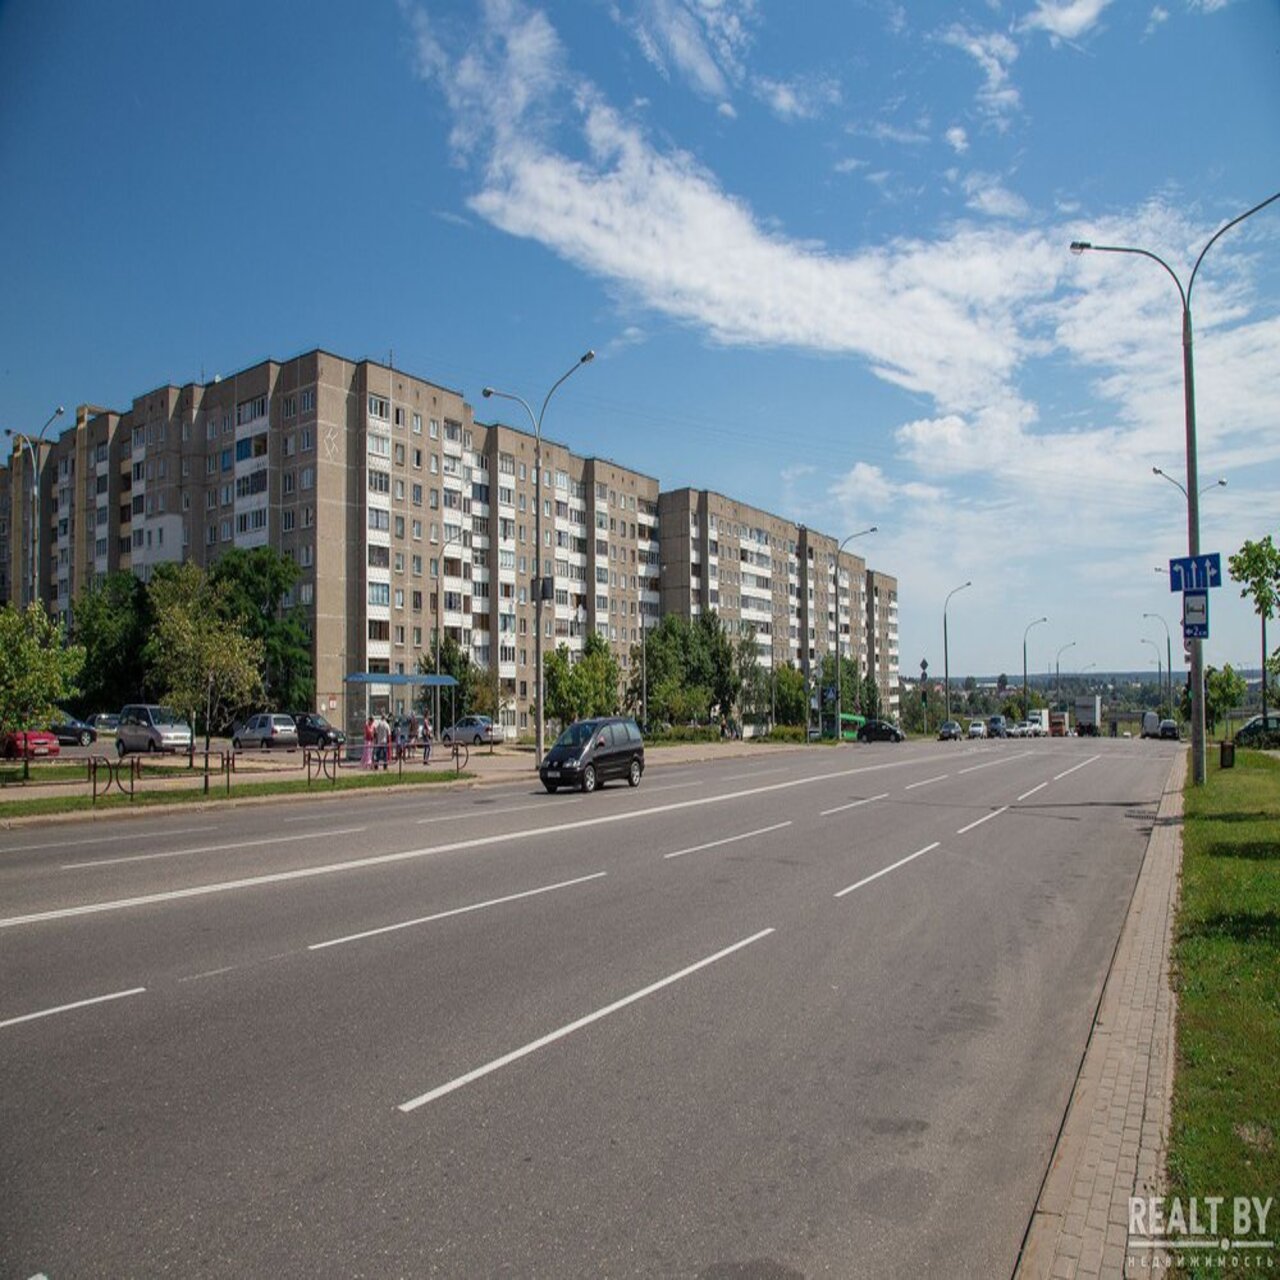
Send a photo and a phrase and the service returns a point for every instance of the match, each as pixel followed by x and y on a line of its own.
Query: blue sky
pixel 820 248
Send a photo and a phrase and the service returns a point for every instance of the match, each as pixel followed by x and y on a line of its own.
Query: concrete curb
pixel 1113 1139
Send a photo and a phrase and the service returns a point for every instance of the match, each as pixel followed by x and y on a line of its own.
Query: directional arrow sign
pixel 1195 573
pixel 1195 615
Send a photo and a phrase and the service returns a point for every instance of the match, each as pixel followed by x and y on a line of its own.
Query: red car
pixel 31 743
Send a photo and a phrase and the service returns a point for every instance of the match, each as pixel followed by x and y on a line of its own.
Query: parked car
pixel 315 731
pixel 1150 724
pixel 267 729
pixel 950 731
pixel 474 730
pixel 1169 729
pixel 105 722
pixel 147 727
pixel 997 727
pixel 29 743
pixel 72 732
pixel 589 752
pixel 880 731
pixel 1260 733
pixel 977 728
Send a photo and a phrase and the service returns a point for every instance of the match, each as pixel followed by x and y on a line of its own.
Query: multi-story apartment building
pixel 789 586
pixel 407 518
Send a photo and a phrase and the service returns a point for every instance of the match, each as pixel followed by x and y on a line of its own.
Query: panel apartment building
pixel 404 514
pixel 788 585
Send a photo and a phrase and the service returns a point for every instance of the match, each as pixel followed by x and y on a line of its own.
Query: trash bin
pixel 1227 756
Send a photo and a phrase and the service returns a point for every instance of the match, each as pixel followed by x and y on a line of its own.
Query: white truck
pixel 1039 721
pixel 1089 715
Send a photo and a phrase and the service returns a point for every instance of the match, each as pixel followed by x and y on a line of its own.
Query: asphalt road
pixel 810 1014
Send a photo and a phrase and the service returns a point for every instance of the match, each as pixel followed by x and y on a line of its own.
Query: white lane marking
pixel 902 862
pixel 1017 755
pixel 534 1045
pixel 1074 767
pixel 476 813
pixel 79 1004
pixel 755 773
pixel 853 804
pixel 675 786
pixel 911 786
pixel 208 848
pixel 995 813
pixel 126 835
pixel 713 844
pixel 1033 790
pixel 456 911
pixel 477 842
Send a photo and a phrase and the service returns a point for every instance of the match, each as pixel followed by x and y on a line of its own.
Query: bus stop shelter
pixel 379 688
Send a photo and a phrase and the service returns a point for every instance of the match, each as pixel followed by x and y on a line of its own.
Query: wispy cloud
pixel 994 53
pixel 1065 19
pixel 957 139
pixel 988 195
pixel 800 99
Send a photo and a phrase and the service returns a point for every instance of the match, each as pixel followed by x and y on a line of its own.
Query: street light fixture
pixel 946 660
pixel 1057 668
pixel 35 451
pixel 1217 484
pixel 1156 647
pixel 1026 702
pixel 1191 489
pixel 1168 649
pixel 862 533
pixel 539 581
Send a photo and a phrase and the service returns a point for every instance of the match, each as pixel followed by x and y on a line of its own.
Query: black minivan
pixel 590 752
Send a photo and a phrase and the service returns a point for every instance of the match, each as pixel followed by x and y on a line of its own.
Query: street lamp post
pixel 1168 649
pixel 1057 668
pixel 1177 484
pixel 460 538
pixel 1156 647
pixel 862 533
pixel 539 590
pixel 946 660
pixel 1026 702
pixel 1191 490
pixel 35 450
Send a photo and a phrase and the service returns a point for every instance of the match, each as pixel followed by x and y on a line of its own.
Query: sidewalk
pixel 1112 1144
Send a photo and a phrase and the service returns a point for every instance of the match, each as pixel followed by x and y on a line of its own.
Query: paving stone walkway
pixel 1112 1145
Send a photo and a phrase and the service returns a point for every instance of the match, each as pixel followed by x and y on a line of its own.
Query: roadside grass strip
pixel 533 1046
pixel 1225 1130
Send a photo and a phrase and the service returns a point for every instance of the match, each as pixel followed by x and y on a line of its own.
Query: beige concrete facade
pixel 407 517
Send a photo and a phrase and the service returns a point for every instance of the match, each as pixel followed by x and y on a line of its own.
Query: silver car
pixel 147 727
pixel 267 730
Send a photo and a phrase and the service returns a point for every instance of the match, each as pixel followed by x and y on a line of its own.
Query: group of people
pixel 382 739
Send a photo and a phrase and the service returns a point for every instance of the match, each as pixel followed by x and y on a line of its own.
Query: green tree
pixel 1223 690
pixel 752 679
pixel 870 697
pixel 201 662
pixel 558 686
pixel 596 676
pixel 112 622
pixel 788 695
pixel 254 585
pixel 455 662
pixel 1257 567
pixel 38 670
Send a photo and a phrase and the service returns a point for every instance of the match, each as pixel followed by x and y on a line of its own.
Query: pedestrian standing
pixel 426 741
pixel 366 757
pixel 381 736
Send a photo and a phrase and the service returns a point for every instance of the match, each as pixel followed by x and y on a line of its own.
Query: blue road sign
pixel 1195 573
pixel 1195 615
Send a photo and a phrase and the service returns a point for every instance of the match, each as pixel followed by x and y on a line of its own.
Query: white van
pixel 145 727
pixel 1150 724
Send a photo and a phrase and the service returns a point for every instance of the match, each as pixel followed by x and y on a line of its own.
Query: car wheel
pixel 235 744
pixel 477 740
pixel 151 745
pixel 86 738
pixel 589 779
pixel 120 748
pixel 552 787
pixel 633 774
pixel 10 750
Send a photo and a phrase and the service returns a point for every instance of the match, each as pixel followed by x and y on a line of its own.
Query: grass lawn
pixel 1226 1100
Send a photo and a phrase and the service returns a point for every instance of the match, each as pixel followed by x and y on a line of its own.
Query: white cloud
pixel 995 54
pixel 798 100
pixel 988 195
pixel 957 139
pixel 1158 17
pixel 702 41
pixel 1065 19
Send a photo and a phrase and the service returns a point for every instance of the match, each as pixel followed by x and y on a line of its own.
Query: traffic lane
pixel 262 917
pixel 102 868
pixel 250 935
pixel 356 1001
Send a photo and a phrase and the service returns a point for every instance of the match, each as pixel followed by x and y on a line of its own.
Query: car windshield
pixel 577 735
pixel 168 716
